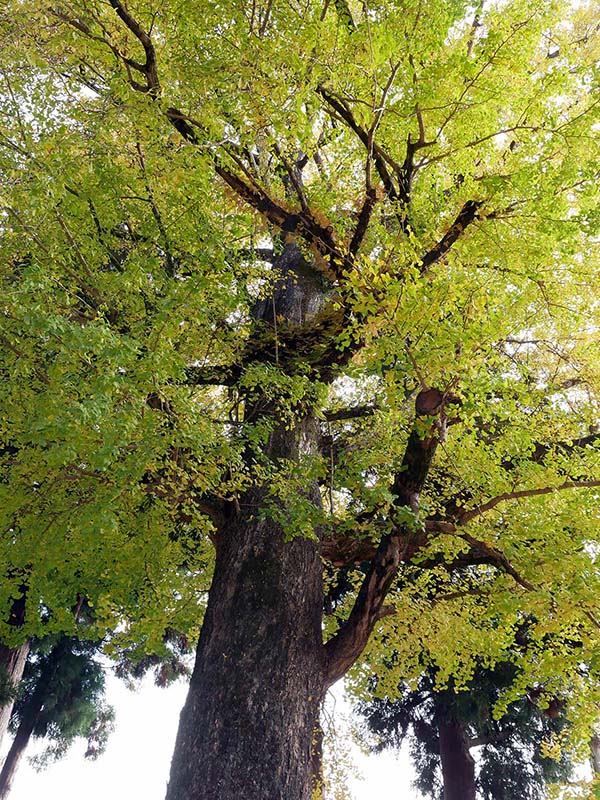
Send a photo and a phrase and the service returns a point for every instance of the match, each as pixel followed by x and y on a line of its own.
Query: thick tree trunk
pixel 12 663
pixel 458 766
pixel 247 727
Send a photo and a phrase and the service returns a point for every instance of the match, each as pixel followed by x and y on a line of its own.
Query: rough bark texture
pixel 12 661
pixel 247 727
pixel 261 669
pixel 458 766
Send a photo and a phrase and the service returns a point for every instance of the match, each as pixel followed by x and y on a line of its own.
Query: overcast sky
pixel 136 763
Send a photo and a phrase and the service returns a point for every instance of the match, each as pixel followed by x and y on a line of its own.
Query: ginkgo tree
pixel 297 308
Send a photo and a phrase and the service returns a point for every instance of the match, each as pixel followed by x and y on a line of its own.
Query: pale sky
pixel 136 762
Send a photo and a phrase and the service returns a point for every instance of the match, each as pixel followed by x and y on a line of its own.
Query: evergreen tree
pixel 60 699
pixel 443 726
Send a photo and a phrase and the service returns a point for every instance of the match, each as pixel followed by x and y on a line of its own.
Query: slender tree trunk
pixel 29 718
pixel 247 727
pixel 12 663
pixel 458 766
pixel 17 749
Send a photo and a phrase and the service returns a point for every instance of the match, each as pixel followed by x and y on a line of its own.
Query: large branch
pixel 383 161
pixel 468 214
pixel 149 67
pixel 343 549
pixel 293 348
pixel 542 449
pixel 344 648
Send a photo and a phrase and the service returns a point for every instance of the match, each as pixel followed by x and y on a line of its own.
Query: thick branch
pixel 497 559
pixel 380 158
pixel 303 223
pixel 344 648
pixel 363 221
pixel 354 412
pixel 298 346
pixel 149 68
pixel 568 447
pixel 466 216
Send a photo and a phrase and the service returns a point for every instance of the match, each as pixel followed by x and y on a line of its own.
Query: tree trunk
pixel 12 663
pixel 29 718
pixel 247 727
pixel 17 749
pixel 458 766
pixel 30 715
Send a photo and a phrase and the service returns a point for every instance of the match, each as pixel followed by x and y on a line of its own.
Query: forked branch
pixel 344 648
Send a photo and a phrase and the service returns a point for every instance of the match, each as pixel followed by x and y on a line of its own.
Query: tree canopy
pixel 328 265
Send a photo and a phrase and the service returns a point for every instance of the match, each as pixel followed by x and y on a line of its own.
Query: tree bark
pixel 247 727
pixel 29 718
pixel 12 662
pixel 458 766
pixel 261 670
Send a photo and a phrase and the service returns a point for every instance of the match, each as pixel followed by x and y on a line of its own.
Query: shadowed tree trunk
pixel 12 663
pixel 19 745
pixel 458 766
pixel 261 672
pixel 247 727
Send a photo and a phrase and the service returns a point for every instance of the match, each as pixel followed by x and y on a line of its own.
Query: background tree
pixel 285 283
pixel 443 726
pixel 61 698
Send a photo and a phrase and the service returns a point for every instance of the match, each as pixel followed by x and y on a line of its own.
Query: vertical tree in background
pixel 61 698
pixel 443 726
pixel 294 284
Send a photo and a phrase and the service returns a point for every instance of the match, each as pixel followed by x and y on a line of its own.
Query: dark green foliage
pixel 72 686
pixel 169 662
pixel 509 750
